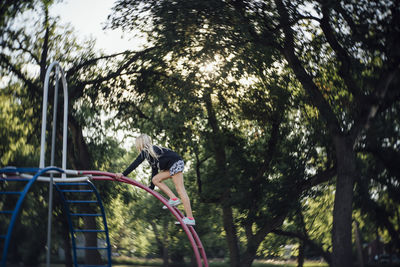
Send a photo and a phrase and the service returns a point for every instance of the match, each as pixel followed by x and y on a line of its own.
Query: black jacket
pixel 166 158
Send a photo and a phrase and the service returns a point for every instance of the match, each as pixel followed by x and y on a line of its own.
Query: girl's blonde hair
pixel 143 143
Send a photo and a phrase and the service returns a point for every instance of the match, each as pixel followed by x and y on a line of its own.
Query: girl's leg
pixel 180 188
pixel 158 181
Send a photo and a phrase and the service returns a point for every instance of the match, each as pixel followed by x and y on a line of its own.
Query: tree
pixel 343 54
pixel 191 91
pixel 25 53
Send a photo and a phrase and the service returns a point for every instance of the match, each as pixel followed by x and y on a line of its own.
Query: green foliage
pixel 220 99
pixel 14 132
pixel 377 190
pixel 317 212
pixel 326 46
pixel 32 222
pixel 273 247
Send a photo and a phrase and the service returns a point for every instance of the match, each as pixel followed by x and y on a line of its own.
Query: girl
pixel 165 164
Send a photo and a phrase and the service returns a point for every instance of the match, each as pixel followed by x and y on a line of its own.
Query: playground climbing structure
pixel 76 189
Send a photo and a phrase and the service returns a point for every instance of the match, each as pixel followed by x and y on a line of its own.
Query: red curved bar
pixel 189 230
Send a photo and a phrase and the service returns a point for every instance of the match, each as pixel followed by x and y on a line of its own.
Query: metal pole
pixel 65 123
pixel 53 136
pixel 43 139
pixel 53 145
pixel 44 115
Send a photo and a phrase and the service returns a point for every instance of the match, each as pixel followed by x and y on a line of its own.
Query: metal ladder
pixel 75 198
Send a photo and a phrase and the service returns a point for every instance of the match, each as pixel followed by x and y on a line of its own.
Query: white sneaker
pixel 173 203
pixel 187 221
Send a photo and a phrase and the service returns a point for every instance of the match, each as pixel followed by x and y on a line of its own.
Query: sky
pixel 88 18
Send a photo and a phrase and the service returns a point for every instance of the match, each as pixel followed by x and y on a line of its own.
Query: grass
pixel 138 262
pixel 129 262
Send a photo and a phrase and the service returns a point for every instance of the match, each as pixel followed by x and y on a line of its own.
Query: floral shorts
pixel 177 167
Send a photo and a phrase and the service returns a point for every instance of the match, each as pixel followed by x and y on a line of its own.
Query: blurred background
pixel 286 113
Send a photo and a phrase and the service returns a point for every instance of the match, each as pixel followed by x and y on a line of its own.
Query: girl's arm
pixel 154 171
pixel 134 164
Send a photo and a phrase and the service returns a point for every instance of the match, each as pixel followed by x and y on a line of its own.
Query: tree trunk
pixel 247 259
pixel 165 250
pixel 79 153
pixel 92 256
pixel 342 211
pixel 300 257
pixel 162 241
pixel 248 256
pixel 220 158
pixel 165 256
pixel 302 243
pixel 66 240
pixel 359 245
pixel 231 237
